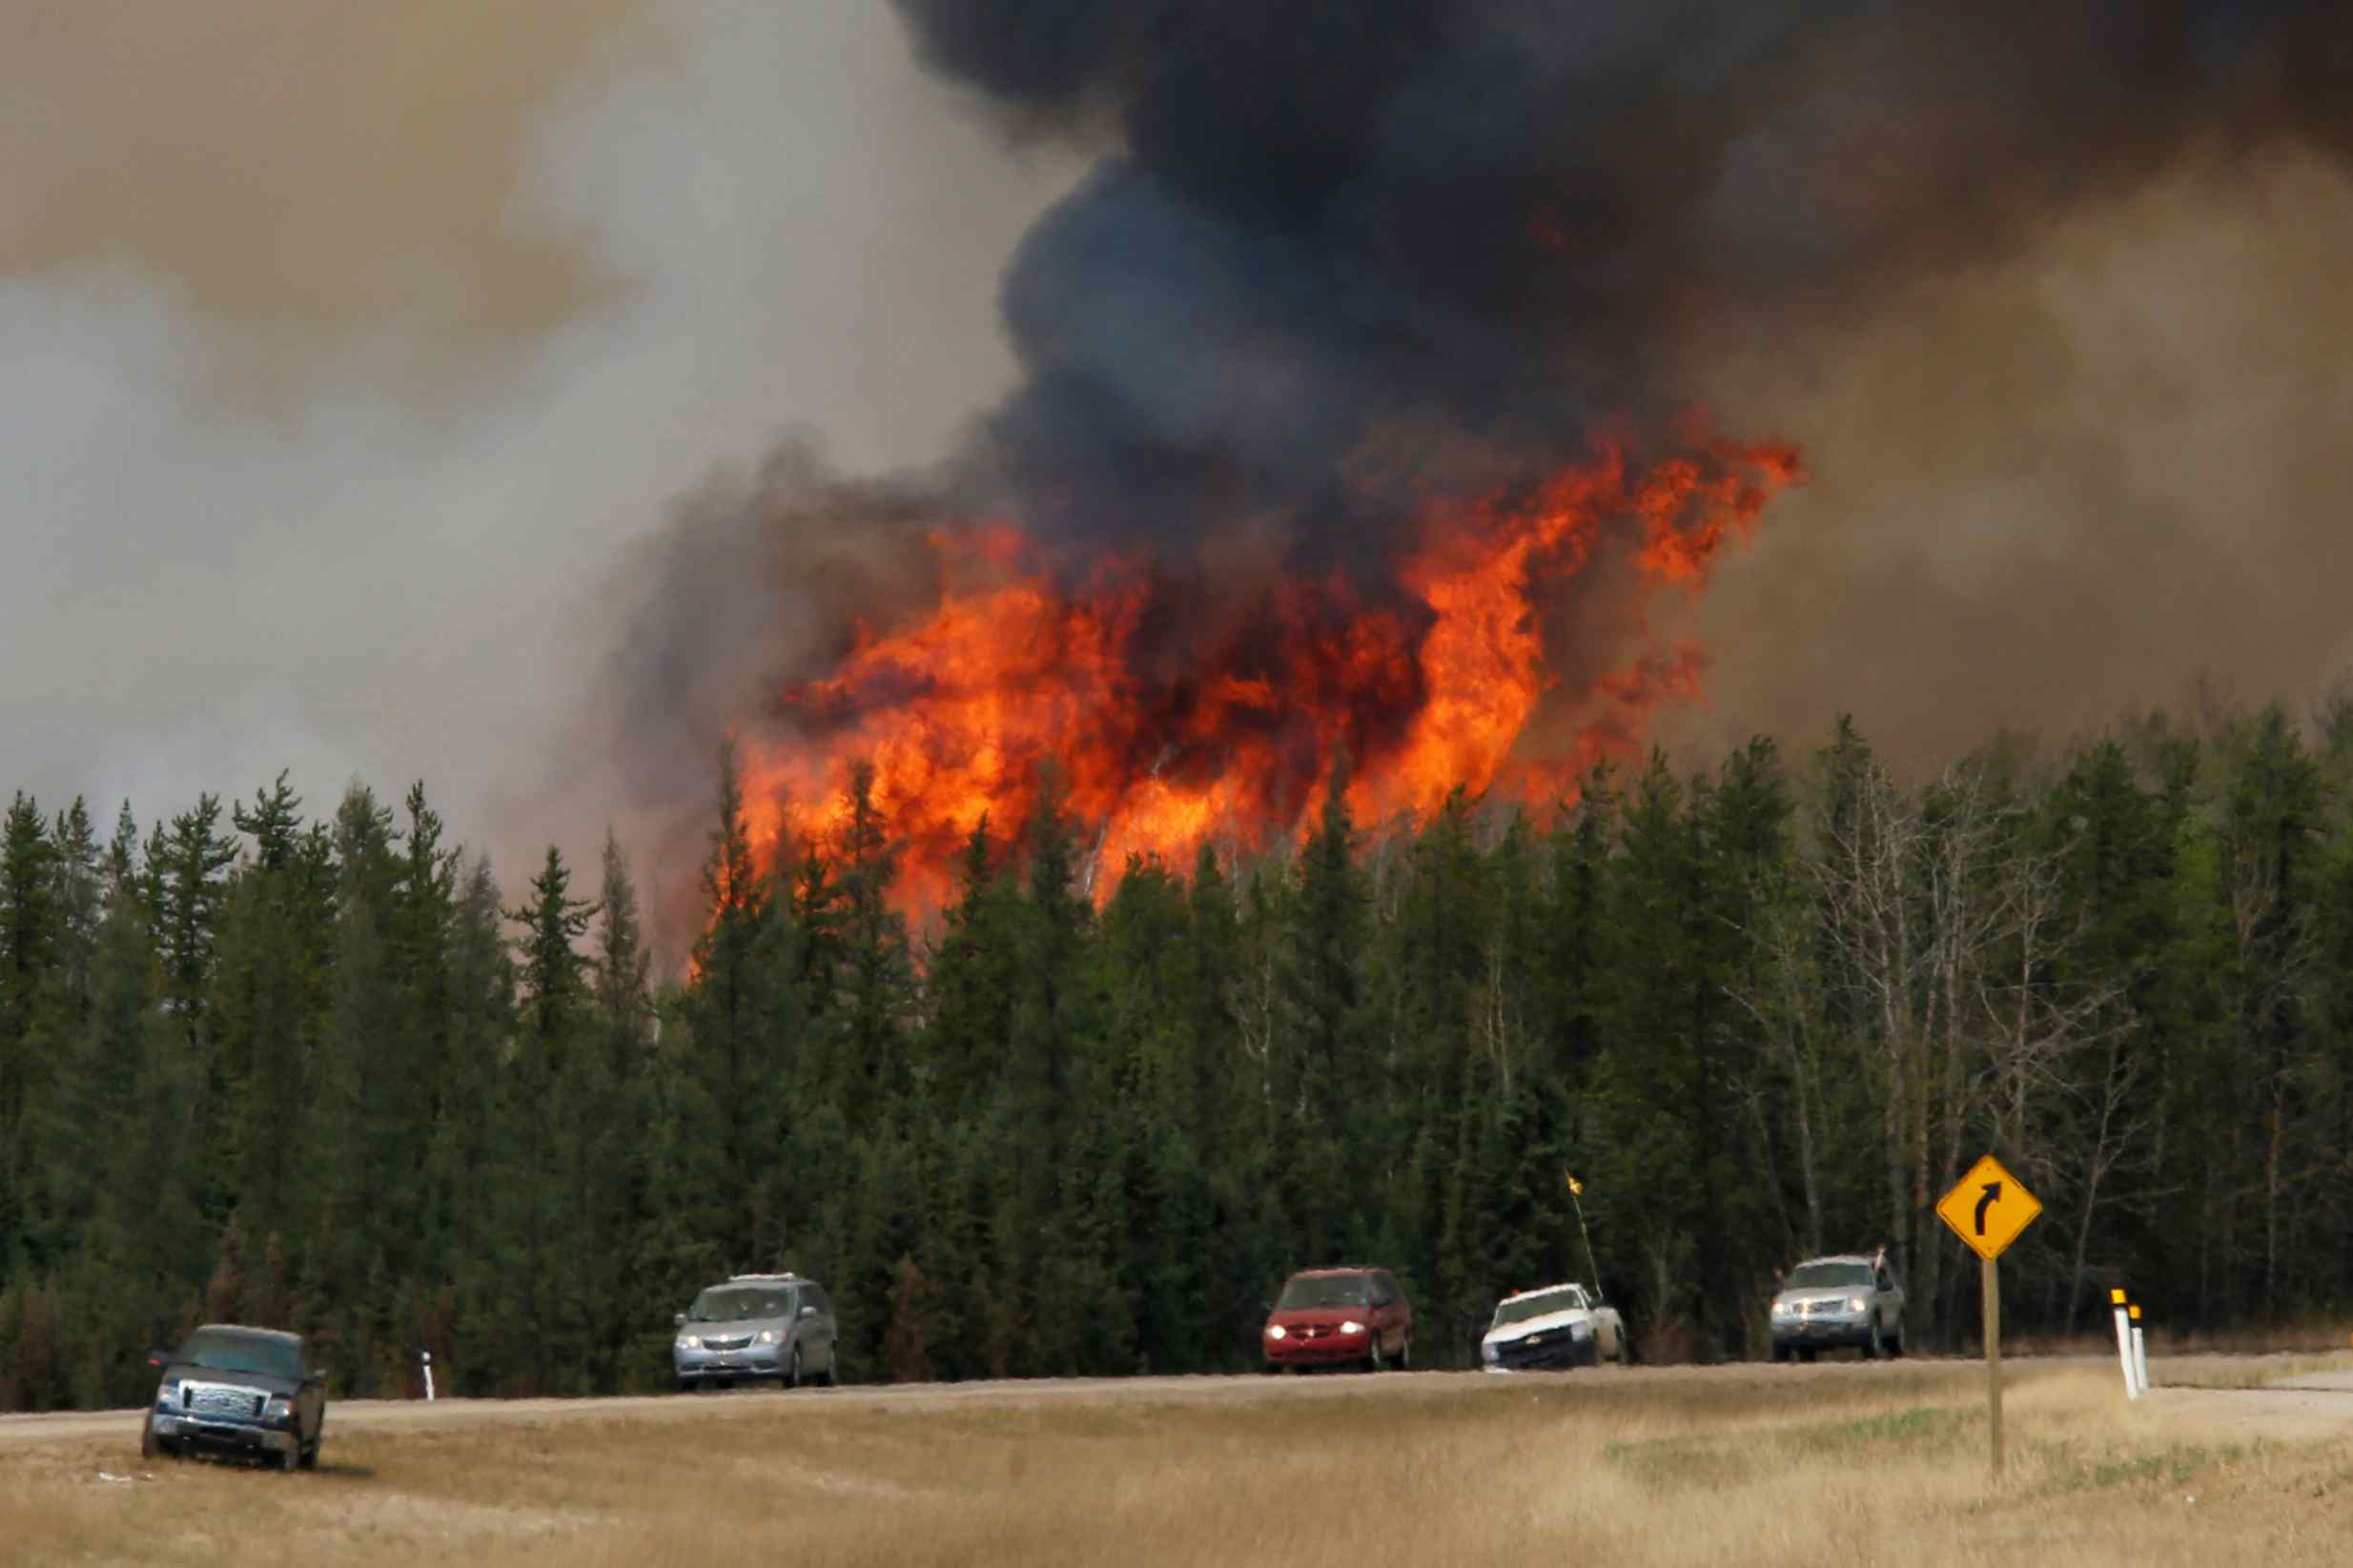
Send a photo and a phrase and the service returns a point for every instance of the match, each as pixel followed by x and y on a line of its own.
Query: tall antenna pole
pixel 1575 1193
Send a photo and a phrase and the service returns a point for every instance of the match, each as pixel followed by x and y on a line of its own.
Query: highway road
pixel 2300 1402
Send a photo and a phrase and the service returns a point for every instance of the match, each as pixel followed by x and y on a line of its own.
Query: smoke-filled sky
pixel 355 361
pixel 343 348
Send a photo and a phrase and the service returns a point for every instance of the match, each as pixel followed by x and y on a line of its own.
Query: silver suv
pixel 1849 1299
pixel 756 1326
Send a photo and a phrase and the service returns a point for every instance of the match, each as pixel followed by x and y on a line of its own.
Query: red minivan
pixel 1339 1316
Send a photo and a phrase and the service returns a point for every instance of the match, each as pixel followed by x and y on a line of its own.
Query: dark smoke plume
pixel 1328 224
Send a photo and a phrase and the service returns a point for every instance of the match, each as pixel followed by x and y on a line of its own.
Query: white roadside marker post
pixel 2140 1354
pixel 428 1355
pixel 2124 1345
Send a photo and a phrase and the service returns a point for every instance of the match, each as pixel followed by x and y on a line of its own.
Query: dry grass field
pixel 1847 1465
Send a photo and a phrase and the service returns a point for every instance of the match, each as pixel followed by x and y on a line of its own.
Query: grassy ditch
pixel 1768 1466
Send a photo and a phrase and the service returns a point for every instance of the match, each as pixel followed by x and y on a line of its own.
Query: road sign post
pixel 1987 1209
pixel 1992 1278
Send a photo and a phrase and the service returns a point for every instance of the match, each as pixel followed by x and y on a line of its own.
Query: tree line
pixel 320 1071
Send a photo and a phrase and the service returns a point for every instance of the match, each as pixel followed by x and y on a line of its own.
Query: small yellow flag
pixel 1577 1187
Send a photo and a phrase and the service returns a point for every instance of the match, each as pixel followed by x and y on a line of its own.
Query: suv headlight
pixel 690 1341
pixel 1855 1303
pixel 1785 1308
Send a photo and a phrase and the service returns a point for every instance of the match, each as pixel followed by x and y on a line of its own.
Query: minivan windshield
pixel 1326 1290
pixel 220 1350
pixel 1816 1277
pixel 736 1304
pixel 1536 1304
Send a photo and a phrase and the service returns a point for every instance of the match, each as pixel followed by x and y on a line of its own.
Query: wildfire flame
pixel 1167 740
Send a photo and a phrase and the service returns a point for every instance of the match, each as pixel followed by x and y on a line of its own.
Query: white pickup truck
pixel 1557 1326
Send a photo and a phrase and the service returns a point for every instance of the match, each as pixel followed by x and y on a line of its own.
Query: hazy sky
pixel 342 347
pixel 345 351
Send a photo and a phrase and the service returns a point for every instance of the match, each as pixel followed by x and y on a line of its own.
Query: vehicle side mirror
pixel 809 1310
pixel 677 1320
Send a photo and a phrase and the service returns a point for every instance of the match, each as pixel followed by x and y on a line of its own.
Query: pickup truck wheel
pixel 147 1436
pixel 310 1455
pixel 290 1460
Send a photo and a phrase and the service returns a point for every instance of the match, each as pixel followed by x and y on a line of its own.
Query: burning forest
pixel 1347 426
pixel 1178 708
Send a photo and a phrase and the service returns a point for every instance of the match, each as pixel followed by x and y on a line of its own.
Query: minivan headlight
pixel 769 1337
pixel 690 1341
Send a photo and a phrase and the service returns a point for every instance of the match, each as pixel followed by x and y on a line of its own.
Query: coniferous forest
pixel 267 1063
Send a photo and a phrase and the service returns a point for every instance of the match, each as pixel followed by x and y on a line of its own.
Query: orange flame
pixel 1164 743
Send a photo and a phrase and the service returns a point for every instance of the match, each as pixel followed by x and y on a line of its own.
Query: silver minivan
pixel 753 1327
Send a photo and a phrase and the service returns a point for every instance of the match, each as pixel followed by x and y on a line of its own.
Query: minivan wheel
pixel 833 1367
pixel 792 1373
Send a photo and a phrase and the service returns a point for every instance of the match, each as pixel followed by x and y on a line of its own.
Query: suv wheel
pixel 1895 1344
pixel 1872 1345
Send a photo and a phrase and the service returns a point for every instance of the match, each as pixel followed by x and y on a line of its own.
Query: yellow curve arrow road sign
pixel 1989 1208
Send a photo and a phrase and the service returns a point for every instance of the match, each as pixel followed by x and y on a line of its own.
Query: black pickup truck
pixel 246 1392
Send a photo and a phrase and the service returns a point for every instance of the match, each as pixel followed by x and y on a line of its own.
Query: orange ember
pixel 1168 735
